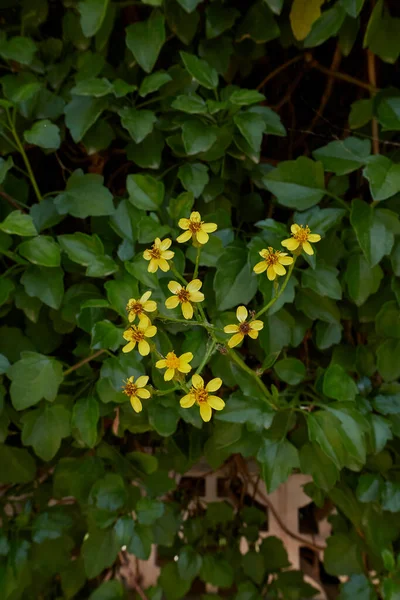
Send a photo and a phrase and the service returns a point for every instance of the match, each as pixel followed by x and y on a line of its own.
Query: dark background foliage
pixel 116 119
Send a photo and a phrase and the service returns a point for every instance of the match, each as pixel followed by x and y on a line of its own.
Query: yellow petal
pixel 197 381
pixel 184 368
pixel 184 237
pixel 235 340
pixel 231 328
pixel 127 334
pixel 161 364
pixel 291 244
pixel 142 381
pixel 285 260
pixel 174 287
pixel 162 263
pixel 165 244
pixel 187 310
pixel 260 267
pixel 209 227
pixel 253 334
pixel 314 237
pixel 241 314
pixel 131 317
pixel 147 255
pixel 168 375
pixel 294 228
pixel 202 237
pixel 172 302
pixel 215 402
pixel 143 394
pixel 308 248
pixel 194 285
pixel 131 379
pixel 196 297
pixel 186 357
pixel 187 401
pixel 157 242
pixel 151 331
pixel 205 412
pixel 144 322
pixel 153 266
pixel 184 223
pixel 136 404
pixel 214 384
pixel 256 325
pixel 144 348
pixel 271 273
pixel 144 297
pixel 195 216
pixel 129 347
pixel 150 306
pixel 279 269
pixel 168 255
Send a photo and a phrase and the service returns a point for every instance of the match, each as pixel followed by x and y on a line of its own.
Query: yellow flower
pixel 301 236
pixel 250 328
pixel 172 362
pixel 195 228
pixel 136 334
pixel 201 395
pixel 139 307
pixel 185 296
pixel 135 391
pixel 273 263
pixel 158 255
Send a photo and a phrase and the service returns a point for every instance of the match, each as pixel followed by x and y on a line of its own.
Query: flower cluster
pixel 188 296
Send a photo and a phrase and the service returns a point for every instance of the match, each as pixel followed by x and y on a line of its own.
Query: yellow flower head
pixel 201 395
pixel 158 255
pixel 301 237
pixel 136 334
pixel 250 328
pixel 135 391
pixel 195 228
pixel 185 296
pixel 273 263
pixel 172 363
pixel 139 307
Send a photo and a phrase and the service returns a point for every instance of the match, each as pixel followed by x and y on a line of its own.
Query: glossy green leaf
pixel 44 283
pixel 145 40
pixel 383 176
pixel 290 370
pixel 200 70
pixel 345 156
pixel 85 415
pixel 44 428
pixel 18 223
pixel 84 196
pixel 41 250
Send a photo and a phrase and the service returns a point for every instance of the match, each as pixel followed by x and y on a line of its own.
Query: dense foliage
pixel 119 121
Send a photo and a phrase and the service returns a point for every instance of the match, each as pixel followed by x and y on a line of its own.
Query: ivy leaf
pixel 108 590
pixel 99 550
pixel 194 177
pixel 189 563
pixel 317 464
pixel 41 250
pixel 197 136
pixel 338 384
pixel 139 123
pixel 234 281
pixel 81 113
pixel 149 510
pixel 358 587
pixel 43 134
pixel 16 465
pixel 343 555
pixel 44 428
pixel 18 48
pixel 145 40
pixel 34 377
pixel 5 166
pixel 173 585
pixel 278 459
pixel 44 283
pixel 251 127
pixel 152 83
pixel 94 86
pixel 93 13
pixel 200 70
pixel 106 335
pixel 290 370
pixel 88 250
pixel 18 223
pixel 302 16
pixel 85 196
pixel 145 192
pixel 383 176
pixel 362 281
pixel 344 156
pixel 371 232
pixel 85 415
pixel 323 280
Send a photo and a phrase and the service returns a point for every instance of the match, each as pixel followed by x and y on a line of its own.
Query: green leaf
pixel 99 550
pixel 5 166
pixel 192 104
pixel 328 334
pixel 152 83
pixel 17 223
pixel 139 123
pixel 391 496
pixel 16 465
pixel 369 488
pixel 371 232
pixel 6 287
pixel 149 510
pixel 251 127
pixel 106 335
pixel 358 587
pixel 145 40
pixel 44 283
pixel 361 113
pixel 108 493
pixel 4 364
pixel 44 428
pixel 85 196
pixel 147 154
pixel 297 183
pixel 290 370
pixel 43 134
pixel 108 590
pixel 173 585
pixel 200 70
pixel 387 104
pixel 272 121
pixel 50 525
pixel 387 404
pixel 324 428
pixel 381 35
pixel 323 280
pixel 145 192
pixel 87 250
pixel 326 26
pixel 387 322
pixel 189 5
pixel 278 459
pixel 316 463
pixel 387 359
pixel 194 177
pixel 344 156
pixel 338 384
pixel 140 542
pixel 343 555
pixel 383 176
pixel 258 24
pixel 181 206
pixel 189 563
pixel 253 564
pixel 197 136
pixel 34 377
pixel 219 18
pixel 234 281
pixel 19 49
pixel 85 415
pixel 362 281
pixel 41 250
pixel 317 307
pixel 94 86
pixel 81 113
pixel 239 409
pixel 275 554
pixel 217 571
pixel 302 16
pixel 93 13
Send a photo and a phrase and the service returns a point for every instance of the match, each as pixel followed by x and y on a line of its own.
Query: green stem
pixel 165 392
pixel 24 157
pixel 280 291
pixel 338 199
pixel 177 274
pixel 206 356
pixel 240 362
pixel 196 266
pixel 186 322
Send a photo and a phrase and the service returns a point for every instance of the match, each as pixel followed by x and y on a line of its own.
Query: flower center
pixel 136 334
pixel 172 361
pixel 244 328
pixel 270 257
pixel 183 295
pixel 195 226
pixel 135 307
pixel 201 395
pixel 130 388
pixel 302 234
pixel 155 252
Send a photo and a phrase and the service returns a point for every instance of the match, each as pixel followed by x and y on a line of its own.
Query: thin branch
pixel 83 362
pixel 344 77
pixel 279 69
pixel 10 200
pixel 372 80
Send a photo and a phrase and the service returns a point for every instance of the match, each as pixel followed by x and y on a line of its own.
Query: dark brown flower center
pixel 195 226
pixel 201 394
pixel 136 307
pixel 155 252
pixel 130 388
pixel 183 295
pixel 135 334
pixel 244 328
pixel 302 234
